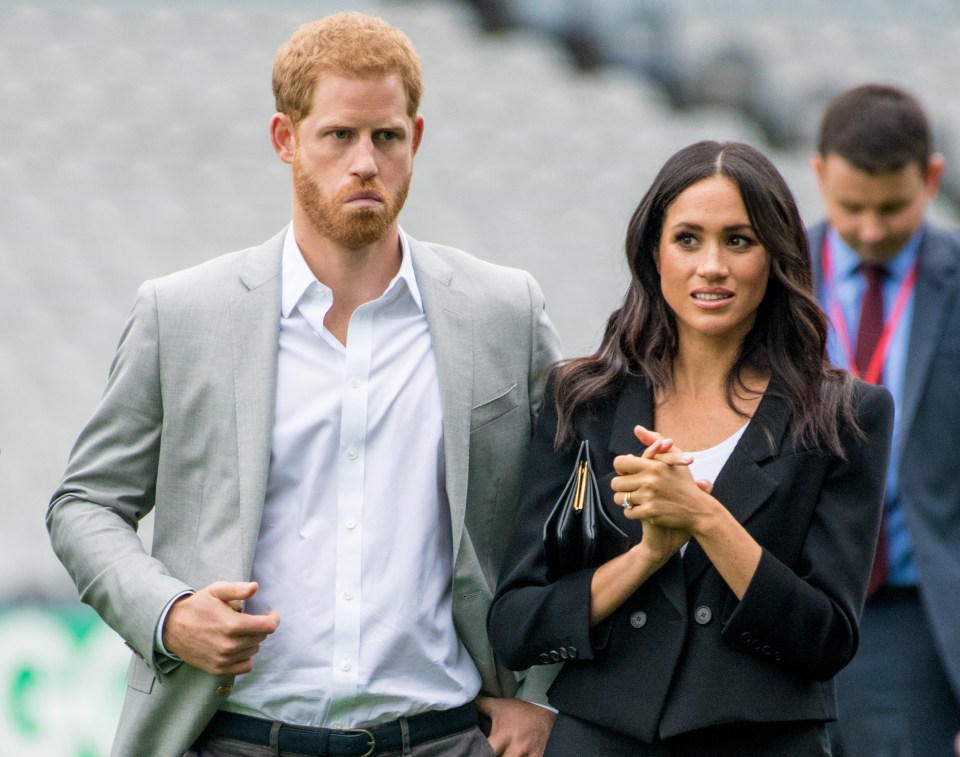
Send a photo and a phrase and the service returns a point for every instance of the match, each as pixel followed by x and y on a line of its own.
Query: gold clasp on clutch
pixel 581 486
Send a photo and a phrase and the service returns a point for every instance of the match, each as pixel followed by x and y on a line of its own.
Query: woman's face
pixel 713 270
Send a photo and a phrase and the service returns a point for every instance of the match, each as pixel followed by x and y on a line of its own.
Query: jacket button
pixel 572 652
pixel 746 637
pixel 224 690
pixel 554 655
pixel 545 658
pixel 703 615
pixel 638 619
pixel 563 653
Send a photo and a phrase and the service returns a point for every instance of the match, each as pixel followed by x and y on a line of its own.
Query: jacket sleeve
pixel 109 486
pixel 806 617
pixel 533 620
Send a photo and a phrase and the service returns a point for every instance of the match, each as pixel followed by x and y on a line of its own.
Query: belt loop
pixel 405 736
pixel 275 737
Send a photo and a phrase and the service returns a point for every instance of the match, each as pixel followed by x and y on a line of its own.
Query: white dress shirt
pixel 355 548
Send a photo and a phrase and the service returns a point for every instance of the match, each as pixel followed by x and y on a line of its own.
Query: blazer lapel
pixel 255 325
pixel 937 267
pixel 743 486
pixel 634 407
pixel 451 331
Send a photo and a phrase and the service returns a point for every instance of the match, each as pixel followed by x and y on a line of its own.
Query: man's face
pixel 353 158
pixel 876 214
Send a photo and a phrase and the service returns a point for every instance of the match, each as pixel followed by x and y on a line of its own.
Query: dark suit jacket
pixel 930 435
pixel 683 652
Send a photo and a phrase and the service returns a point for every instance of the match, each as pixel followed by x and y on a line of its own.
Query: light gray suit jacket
pixel 184 430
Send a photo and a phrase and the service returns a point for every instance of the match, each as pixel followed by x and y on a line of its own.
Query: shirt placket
pixel 350 501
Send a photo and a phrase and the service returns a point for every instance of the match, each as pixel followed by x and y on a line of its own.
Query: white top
pixel 355 548
pixel 708 463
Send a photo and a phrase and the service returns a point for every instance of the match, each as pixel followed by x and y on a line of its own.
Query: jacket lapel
pixel 636 407
pixel 937 268
pixel 451 331
pixel 255 325
pixel 743 486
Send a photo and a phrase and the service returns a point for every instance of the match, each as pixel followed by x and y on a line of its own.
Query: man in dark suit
pixel 890 282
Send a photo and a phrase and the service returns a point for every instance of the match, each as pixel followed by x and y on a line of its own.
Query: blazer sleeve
pixel 533 619
pixel 545 351
pixel 806 617
pixel 109 486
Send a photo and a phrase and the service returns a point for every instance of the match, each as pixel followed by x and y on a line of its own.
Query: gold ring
pixel 626 501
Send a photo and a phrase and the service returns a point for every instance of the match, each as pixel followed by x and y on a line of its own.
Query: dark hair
pixel 788 338
pixel 877 128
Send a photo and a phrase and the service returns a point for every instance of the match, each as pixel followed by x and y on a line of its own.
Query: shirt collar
pixel 296 277
pixel 847 262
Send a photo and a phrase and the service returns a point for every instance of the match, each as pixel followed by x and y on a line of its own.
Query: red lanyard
pixel 875 368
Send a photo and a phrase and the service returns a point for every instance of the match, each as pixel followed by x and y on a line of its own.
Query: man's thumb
pixel 233 592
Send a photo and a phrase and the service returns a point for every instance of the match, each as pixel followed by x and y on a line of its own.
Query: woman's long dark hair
pixel 789 336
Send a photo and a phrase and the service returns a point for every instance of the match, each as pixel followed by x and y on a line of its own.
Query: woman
pixel 719 629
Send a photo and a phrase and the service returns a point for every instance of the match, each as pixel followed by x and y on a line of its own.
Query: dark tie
pixel 868 336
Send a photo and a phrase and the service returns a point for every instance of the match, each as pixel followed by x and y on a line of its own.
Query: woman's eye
pixel 685 239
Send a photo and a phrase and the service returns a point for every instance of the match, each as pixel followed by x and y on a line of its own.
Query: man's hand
pixel 210 631
pixel 519 728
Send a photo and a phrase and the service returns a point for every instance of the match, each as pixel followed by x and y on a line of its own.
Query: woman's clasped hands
pixel 657 489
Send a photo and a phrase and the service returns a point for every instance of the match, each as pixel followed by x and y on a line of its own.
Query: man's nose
pixel 872 230
pixel 364 163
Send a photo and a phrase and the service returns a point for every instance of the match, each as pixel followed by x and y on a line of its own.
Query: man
pixel 329 429
pixel 890 281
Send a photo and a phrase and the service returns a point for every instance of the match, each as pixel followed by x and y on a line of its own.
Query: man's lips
pixel 366 198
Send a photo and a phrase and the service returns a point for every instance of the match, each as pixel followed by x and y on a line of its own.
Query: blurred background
pixel 133 142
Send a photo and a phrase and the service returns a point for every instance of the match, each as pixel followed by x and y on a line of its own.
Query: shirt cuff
pixel 158 633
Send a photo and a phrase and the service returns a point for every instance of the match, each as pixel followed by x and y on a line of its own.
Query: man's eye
pixel 388 136
pixel 340 134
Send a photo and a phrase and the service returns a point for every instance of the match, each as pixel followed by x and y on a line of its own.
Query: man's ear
pixel 934 174
pixel 417 133
pixel 816 163
pixel 283 137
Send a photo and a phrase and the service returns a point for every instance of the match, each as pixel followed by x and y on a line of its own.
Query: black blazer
pixel 929 432
pixel 683 652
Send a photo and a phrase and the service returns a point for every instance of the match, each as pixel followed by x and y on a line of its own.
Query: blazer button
pixel 554 655
pixel 703 615
pixel 545 658
pixel 224 690
pixel 572 652
pixel 563 653
pixel 746 637
pixel 638 619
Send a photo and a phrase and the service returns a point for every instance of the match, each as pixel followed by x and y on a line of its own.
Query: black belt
pixel 355 742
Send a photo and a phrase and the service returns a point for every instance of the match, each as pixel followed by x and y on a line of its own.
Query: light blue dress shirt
pixel 848 286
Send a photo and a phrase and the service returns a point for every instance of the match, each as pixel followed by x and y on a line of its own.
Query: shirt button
pixel 352 453
pixel 703 615
pixel 348 595
pixel 345 665
pixel 355 382
pixel 351 524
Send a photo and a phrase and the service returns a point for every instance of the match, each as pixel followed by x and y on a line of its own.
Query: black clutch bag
pixel 579 533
